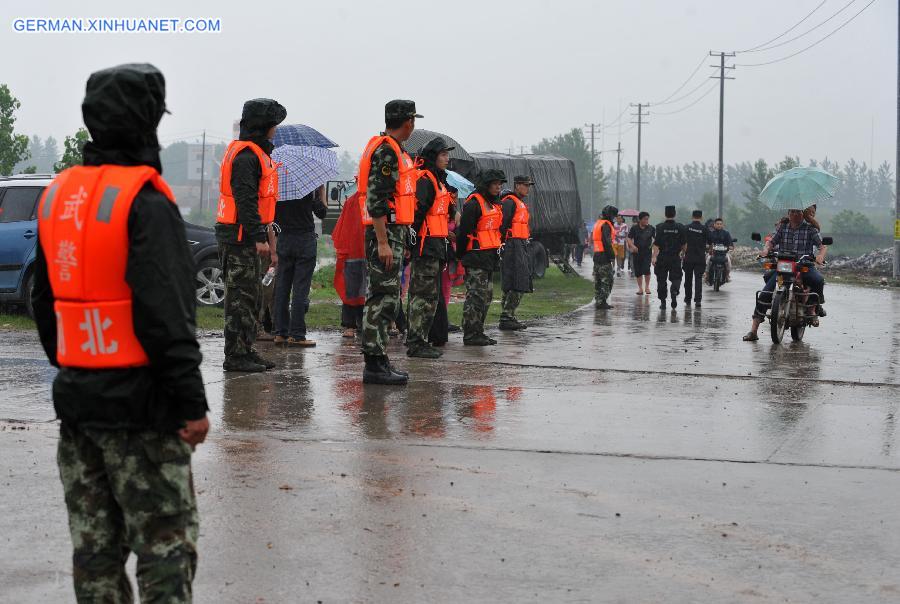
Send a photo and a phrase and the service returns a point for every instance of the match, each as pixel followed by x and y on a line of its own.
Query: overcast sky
pixel 492 73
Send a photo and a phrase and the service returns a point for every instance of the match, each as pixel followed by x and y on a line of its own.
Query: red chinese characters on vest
pixel 403 202
pixel 487 230
pixel 267 194
pixel 83 232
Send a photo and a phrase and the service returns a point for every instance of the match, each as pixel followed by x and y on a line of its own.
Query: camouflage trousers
pixel 383 299
pixel 129 492
pixel 241 269
pixel 423 298
pixel 603 281
pixel 508 305
pixel 479 293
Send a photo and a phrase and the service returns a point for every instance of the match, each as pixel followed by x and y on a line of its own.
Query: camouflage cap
pixel 400 109
pixel 523 180
pixel 492 175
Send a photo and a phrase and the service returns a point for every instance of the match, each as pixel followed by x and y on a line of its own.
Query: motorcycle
pixel 717 261
pixel 791 305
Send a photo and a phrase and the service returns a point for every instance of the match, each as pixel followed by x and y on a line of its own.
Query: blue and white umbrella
pixel 463 186
pixel 303 169
pixel 300 135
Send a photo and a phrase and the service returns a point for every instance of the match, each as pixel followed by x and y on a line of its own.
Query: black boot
pixel 393 369
pixel 377 371
pixel 243 363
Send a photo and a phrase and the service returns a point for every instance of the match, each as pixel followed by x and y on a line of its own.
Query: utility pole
pixel 640 122
pixel 618 170
pixel 721 77
pixel 202 169
pixel 897 175
pixel 593 163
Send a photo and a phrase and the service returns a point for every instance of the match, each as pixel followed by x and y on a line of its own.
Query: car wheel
pixel 29 288
pixel 210 283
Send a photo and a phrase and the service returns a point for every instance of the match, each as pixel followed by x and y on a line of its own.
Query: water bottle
pixel 268 277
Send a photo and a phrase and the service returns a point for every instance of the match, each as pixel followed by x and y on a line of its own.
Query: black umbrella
pixel 420 138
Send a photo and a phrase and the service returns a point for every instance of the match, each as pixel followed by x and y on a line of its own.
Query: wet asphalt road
pixel 634 455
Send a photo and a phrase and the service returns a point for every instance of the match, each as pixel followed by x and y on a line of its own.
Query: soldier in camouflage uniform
pixel 126 433
pixel 245 244
pixel 480 260
pixel 386 244
pixel 430 253
pixel 603 260
pixel 515 261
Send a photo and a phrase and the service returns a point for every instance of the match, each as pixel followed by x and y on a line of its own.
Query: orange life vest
pixel 267 193
pixel 403 204
pixel 487 231
pixel 519 228
pixel 437 220
pixel 598 234
pixel 83 231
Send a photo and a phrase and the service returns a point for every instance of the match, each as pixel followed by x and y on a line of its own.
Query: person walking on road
pixel 296 248
pixel 429 255
pixel 387 188
pixel 478 241
pixel 619 243
pixel 697 240
pixel 515 260
pixel 115 307
pixel 248 191
pixel 640 242
pixel 604 256
pixel 668 247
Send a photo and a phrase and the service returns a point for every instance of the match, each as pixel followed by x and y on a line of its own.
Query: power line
pixel 816 43
pixel 712 86
pixel 677 90
pixel 809 31
pixel 784 33
pixel 686 95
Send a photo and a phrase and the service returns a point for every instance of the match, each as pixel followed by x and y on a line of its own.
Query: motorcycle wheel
pixel 717 278
pixel 797 333
pixel 778 319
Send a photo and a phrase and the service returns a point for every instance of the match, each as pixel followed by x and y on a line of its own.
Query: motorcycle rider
pixel 793 237
pixel 717 236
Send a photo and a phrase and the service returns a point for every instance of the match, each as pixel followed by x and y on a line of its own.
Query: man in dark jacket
pixel 668 247
pixel 515 261
pixel 430 252
pixel 245 243
pixel 296 261
pixel 477 244
pixel 127 433
pixel 697 239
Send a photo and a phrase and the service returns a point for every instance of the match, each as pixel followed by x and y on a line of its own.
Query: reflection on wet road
pixel 497 469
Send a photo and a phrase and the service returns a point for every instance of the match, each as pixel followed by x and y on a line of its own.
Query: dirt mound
pixel 876 262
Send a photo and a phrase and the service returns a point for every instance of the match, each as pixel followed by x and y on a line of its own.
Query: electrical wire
pixel 686 107
pixel 786 32
pixel 795 38
pixel 684 96
pixel 690 77
pixel 816 43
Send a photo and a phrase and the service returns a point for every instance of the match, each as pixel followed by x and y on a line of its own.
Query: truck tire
pixel 539 260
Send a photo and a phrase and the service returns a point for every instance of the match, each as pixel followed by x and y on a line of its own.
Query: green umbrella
pixel 798 188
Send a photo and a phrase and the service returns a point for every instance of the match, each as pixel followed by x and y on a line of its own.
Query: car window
pixel 18 203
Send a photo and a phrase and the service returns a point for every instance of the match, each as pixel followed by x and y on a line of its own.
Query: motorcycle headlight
pixel 785 266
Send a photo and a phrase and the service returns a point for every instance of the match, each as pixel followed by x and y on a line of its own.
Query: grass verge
pixel 555 294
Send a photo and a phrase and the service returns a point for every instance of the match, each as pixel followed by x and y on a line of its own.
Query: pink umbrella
pixel 628 212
